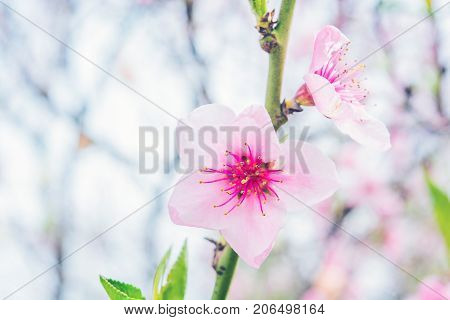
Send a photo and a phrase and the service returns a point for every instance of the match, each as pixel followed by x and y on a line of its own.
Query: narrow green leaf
pixel 441 206
pixel 159 274
pixel 175 287
pixel 117 290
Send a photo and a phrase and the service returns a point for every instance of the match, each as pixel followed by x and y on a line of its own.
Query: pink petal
pixel 325 97
pixel 365 129
pixel 328 41
pixel 200 142
pixel 213 114
pixel 259 114
pixel 253 126
pixel 191 203
pixel 311 176
pixel 252 235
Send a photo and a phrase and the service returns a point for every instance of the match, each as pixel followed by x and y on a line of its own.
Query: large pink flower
pixel 333 86
pixel 247 184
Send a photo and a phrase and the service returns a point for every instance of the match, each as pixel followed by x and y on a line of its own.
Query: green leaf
pixel 175 286
pixel 159 274
pixel 429 6
pixel 441 206
pixel 259 7
pixel 117 290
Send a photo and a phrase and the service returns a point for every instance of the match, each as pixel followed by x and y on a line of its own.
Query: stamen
pixel 245 174
pixel 273 191
pixel 260 205
pixel 274 180
pixel 344 77
pixel 236 157
pixel 211 181
pixel 249 151
pixel 222 204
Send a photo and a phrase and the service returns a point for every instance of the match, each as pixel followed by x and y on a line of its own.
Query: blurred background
pixel 75 83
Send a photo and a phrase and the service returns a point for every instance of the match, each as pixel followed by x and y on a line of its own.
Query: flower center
pixel 247 176
pixel 345 78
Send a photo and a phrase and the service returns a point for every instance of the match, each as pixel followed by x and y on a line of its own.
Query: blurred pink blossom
pixel 333 279
pixel 435 289
pixel 367 183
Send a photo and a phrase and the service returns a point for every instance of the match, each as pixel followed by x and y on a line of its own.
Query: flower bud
pixel 303 96
pixel 268 43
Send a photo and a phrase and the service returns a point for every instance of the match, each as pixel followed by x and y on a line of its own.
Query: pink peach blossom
pixel 245 187
pixel 334 88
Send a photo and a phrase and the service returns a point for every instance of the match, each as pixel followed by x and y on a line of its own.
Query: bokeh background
pixel 69 145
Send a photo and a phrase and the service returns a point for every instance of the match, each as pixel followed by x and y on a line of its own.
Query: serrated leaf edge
pixel 181 256
pixel 107 282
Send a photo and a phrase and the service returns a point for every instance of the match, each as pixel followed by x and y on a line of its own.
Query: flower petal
pixel 309 176
pixel 365 129
pixel 325 97
pixel 328 41
pixel 191 203
pixel 213 114
pixel 259 114
pixel 252 235
pixel 254 127
pixel 200 141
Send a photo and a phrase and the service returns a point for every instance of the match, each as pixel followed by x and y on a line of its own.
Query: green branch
pixel 276 64
pixel 225 267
